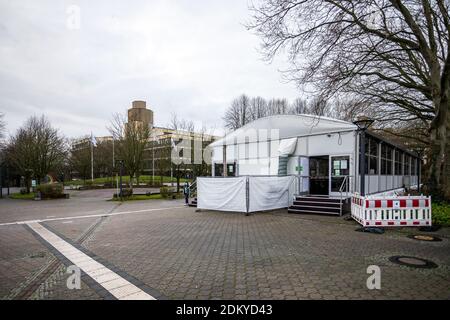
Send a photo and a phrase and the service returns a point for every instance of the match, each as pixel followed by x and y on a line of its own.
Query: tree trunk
pixel 439 174
pixel 446 171
pixel 27 184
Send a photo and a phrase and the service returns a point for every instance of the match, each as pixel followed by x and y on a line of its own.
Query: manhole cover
pixel 422 237
pixel 413 262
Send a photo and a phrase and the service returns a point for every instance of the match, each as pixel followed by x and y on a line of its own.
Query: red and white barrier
pixel 395 211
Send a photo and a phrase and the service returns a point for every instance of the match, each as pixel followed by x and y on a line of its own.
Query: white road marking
pixel 116 285
pixel 89 216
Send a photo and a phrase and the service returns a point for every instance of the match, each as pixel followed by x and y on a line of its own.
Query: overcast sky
pixel 184 56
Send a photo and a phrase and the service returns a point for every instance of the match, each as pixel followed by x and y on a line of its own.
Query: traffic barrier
pixel 393 211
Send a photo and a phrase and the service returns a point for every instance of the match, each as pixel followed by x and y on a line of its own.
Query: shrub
pixel 440 213
pixel 23 191
pixel 165 192
pixel 51 190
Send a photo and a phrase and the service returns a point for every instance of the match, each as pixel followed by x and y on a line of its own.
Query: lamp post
pixel 1 181
pixel 419 152
pixel 363 125
pixel 7 177
pixel 120 178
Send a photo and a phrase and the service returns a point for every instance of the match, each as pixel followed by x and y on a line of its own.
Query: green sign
pixel 299 168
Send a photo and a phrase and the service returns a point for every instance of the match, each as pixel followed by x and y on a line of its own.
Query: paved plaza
pixel 168 251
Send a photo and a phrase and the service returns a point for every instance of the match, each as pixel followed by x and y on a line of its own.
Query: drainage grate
pixel 423 237
pixel 413 262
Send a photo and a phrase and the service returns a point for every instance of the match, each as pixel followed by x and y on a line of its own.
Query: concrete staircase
pixel 313 204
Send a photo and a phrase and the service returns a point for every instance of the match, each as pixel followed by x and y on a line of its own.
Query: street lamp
pixel 420 152
pixel 120 177
pixel 363 125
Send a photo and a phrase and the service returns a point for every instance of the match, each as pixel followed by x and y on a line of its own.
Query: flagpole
pixel 92 158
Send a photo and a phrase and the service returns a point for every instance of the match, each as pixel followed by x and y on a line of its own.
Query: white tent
pixel 288 126
pixel 321 151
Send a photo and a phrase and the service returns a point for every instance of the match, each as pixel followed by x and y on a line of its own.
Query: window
pixel 413 166
pixel 386 159
pixel 371 156
pixel 406 165
pixel 398 162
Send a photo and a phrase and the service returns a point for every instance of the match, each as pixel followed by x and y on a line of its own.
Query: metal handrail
pixel 345 183
pixel 296 191
pixel 192 188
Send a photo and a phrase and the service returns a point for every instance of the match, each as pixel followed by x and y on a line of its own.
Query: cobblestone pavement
pixel 21 257
pixel 214 255
pixel 28 270
pixel 185 254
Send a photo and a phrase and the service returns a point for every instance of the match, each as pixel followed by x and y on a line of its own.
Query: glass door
pixel 319 175
pixel 340 168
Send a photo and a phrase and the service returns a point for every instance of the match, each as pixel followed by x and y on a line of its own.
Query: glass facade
pixel 386 159
pixel 371 155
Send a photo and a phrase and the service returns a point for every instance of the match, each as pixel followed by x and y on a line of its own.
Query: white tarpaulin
pixel 267 193
pixel 232 194
pixel 287 147
pixel 224 194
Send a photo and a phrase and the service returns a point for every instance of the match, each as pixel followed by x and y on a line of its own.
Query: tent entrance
pixel 218 169
pixel 319 176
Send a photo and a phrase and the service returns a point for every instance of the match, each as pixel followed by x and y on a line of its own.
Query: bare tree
pixel 184 130
pixel 277 106
pixel 394 53
pixel 80 158
pixel 298 106
pixel 258 108
pixel 132 138
pixel 2 126
pixel 36 149
pixel 238 113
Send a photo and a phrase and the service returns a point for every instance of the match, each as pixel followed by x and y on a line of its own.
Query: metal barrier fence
pixel 401 211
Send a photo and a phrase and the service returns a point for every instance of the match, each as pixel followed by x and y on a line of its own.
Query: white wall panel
pixel 323 145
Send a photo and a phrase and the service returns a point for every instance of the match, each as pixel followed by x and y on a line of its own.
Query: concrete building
pixel 139 113
pixel 158 154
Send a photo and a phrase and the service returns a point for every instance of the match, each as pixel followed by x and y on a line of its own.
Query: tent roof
pixel 289 126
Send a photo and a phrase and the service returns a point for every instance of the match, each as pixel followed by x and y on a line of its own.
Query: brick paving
pixel 185 254
pixel 21 258
pixel 214 255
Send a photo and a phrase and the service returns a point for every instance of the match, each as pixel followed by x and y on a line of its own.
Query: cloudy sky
pixel 183 56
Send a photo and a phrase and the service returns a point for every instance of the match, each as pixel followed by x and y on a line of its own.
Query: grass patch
pixel 440 213
pixel 20 196
pixel 144 197
pixel 125 180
